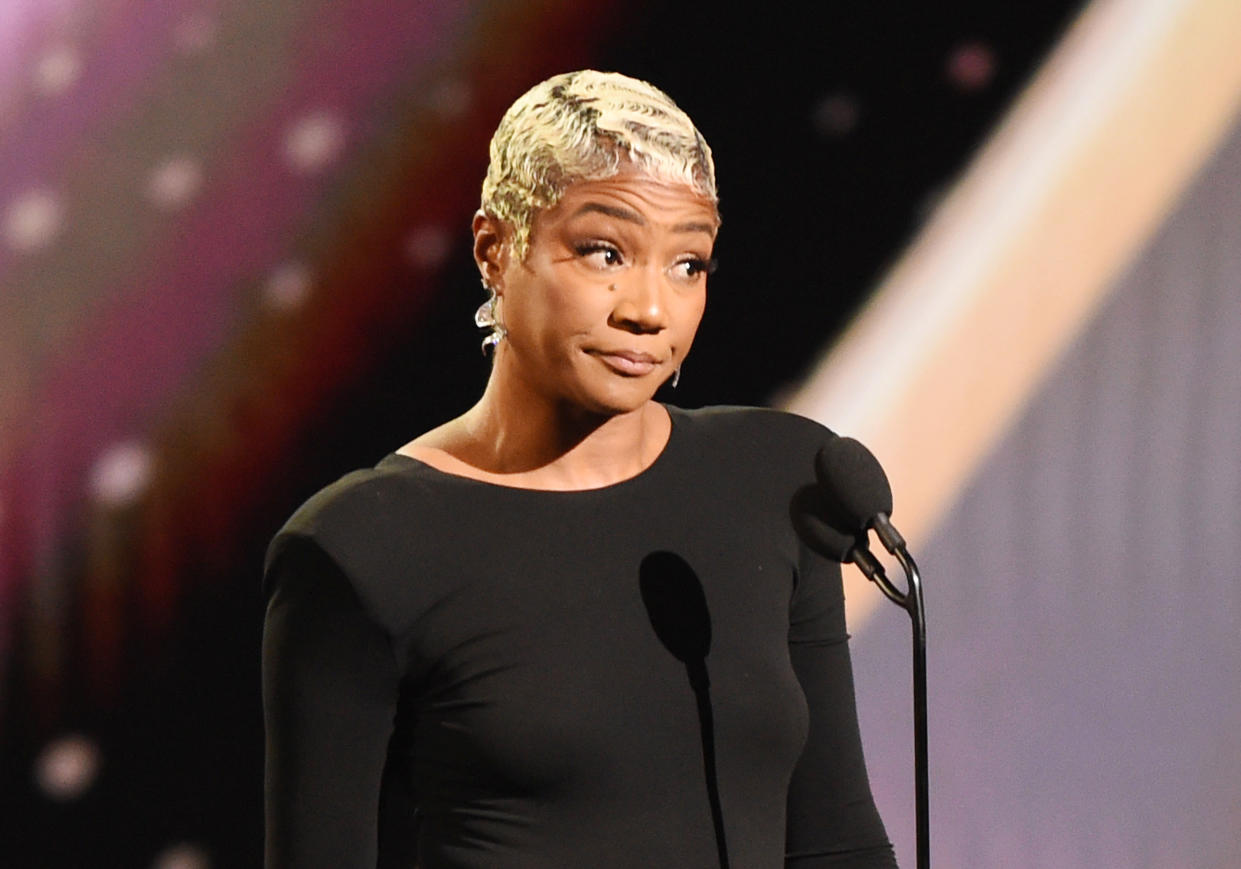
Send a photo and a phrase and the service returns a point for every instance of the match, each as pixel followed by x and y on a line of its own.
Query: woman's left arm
pixel 832 819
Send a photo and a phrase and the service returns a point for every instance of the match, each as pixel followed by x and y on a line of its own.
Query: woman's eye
pixel 599 254
pixel 692 268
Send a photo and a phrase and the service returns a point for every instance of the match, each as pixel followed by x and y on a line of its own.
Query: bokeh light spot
pixel 183 855
pixel 836 115
pixel 67 767
pixel 121 474
pixel 288 286
pixel 428 246
pixel 32 220
pixel 174 182
pixel 314 142
pixel 57 70
pixel 971 66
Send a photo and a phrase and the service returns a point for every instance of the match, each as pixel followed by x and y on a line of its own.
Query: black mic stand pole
pixel 910 601
pixel 917 615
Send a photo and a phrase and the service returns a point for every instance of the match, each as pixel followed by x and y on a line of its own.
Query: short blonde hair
pixel 583 126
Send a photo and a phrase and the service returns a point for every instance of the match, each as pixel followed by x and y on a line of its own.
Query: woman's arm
pixel 832 820
pixel 330 685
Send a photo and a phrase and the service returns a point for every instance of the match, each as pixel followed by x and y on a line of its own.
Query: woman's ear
pixel 491 249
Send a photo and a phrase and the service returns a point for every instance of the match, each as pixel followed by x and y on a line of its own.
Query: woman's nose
pixel 639 305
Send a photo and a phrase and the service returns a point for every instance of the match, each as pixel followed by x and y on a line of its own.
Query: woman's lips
pixel 629 362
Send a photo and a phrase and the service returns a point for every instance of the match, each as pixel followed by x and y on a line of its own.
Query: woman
pixel 572 627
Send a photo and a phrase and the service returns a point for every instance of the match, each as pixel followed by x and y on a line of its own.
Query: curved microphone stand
pixel 857 499
pixel 909 600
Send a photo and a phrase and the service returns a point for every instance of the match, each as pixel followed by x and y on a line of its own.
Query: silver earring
pixel 676 377
pixel 485 318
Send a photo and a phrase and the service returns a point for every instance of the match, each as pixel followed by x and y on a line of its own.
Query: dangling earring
pixel 676 377
pixel 485 318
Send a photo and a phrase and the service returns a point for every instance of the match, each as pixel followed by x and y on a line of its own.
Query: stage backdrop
pixel 1082 594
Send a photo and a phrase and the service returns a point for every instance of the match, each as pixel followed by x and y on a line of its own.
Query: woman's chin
pixel 621 396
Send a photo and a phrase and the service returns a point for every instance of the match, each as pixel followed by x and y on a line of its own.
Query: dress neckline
pixel 400 461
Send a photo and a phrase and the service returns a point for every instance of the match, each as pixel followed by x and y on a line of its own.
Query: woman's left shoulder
pixel 751 426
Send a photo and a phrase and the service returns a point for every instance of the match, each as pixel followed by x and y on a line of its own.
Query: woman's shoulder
pixel 358 510
pixel 356 496
pixel 749 426
pixel 754 449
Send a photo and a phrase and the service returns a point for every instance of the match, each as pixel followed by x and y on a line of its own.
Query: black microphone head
pixel 808 510
pixel 855 488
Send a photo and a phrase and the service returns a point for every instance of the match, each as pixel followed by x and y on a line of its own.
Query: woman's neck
pixel 523 441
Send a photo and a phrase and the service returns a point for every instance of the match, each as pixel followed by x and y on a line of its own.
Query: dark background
pixel 834 127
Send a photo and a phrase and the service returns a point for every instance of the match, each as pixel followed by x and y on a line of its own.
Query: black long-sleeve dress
pixel 650 674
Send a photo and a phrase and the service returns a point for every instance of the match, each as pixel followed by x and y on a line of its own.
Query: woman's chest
pixel 588 663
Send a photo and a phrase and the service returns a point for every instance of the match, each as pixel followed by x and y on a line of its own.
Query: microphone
pixel 856 498
pixel 811 517
pixel 856 493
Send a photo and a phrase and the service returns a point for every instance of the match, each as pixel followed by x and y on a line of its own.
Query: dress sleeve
pixel 832 819
pixel 330 687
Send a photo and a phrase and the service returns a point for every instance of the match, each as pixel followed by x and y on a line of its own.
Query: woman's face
pixel 605 306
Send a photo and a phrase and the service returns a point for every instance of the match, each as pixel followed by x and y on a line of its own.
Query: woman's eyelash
pixel 586 248
pixel 696 265
pixel 699 266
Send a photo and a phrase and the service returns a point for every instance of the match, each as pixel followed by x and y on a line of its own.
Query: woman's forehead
pixel 631 194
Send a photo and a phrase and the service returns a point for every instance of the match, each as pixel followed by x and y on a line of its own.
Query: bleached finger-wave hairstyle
pixel 584 126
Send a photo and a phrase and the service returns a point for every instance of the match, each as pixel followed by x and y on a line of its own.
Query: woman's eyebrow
pixel 695 226
pixel 612 211
pixel 636 218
